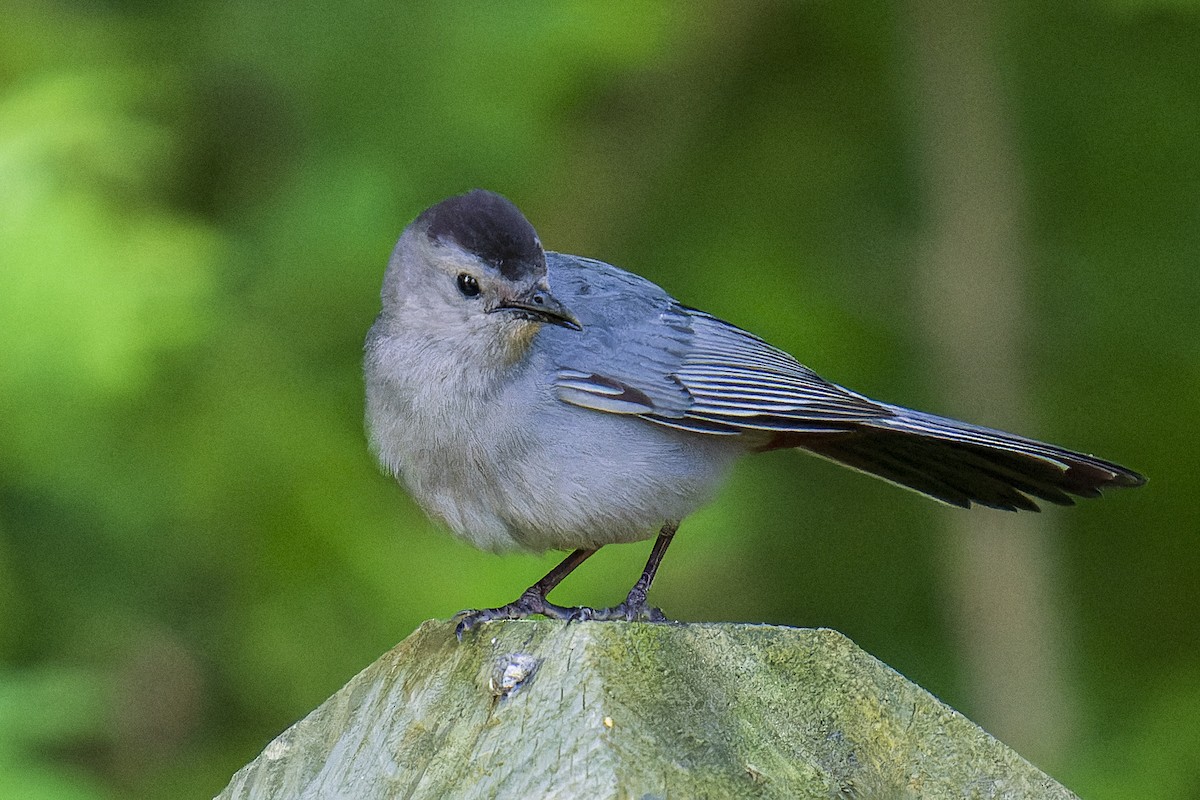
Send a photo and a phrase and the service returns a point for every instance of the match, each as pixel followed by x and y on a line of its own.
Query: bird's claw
pixel 634 609
pixel 527 605
pixel 625 612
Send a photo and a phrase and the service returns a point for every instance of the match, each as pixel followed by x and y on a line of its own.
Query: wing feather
pixel 735 377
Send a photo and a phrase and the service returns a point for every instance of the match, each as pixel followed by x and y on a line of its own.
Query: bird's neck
pixel 449 361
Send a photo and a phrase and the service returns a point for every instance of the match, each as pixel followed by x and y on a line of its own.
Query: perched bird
pixel 533 400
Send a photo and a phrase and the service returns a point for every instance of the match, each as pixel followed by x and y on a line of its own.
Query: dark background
pixel 989 211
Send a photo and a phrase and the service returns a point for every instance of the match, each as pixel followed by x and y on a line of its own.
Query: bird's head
pixel 473 263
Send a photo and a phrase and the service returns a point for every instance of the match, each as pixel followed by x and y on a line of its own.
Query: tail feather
pixel 960 464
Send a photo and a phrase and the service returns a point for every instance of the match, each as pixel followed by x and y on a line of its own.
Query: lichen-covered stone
pixel 630 710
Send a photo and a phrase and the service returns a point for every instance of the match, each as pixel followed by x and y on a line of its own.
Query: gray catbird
pixel 543 401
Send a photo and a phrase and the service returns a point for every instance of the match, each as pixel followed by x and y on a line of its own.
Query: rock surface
pixel 629 710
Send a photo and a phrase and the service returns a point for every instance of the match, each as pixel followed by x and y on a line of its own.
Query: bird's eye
pixel 468 285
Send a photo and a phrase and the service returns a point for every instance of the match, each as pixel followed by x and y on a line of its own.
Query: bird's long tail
pixel 961 464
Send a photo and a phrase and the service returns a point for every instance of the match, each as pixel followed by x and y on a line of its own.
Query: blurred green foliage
pixel 197 201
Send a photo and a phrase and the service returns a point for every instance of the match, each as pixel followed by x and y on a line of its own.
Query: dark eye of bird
pixel 468 285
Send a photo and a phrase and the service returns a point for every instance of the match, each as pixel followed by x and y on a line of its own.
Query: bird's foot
pixel 620 613
pixel 634 609
pixel 526 605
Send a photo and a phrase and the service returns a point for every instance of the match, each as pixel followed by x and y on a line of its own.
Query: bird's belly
pixel 606 479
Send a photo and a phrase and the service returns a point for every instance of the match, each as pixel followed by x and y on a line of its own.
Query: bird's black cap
pixel 489 226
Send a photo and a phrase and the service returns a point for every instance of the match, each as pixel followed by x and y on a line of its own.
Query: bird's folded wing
pixel 702 374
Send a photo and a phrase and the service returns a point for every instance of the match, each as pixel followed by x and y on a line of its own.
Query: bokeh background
pixel 986 210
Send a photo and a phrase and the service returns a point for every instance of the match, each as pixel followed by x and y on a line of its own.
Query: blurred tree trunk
pixel 1002 569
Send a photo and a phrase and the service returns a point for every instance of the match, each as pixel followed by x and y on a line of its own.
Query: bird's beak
pixel 540 306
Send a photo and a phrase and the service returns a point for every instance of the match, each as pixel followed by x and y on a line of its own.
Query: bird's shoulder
pixel 634 337
pixel 603 291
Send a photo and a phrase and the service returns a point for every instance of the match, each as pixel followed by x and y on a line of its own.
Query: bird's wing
pixel 737 383
pixel 647 355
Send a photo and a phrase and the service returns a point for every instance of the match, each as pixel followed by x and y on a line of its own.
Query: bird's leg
pixel 532 601
pixel 635 606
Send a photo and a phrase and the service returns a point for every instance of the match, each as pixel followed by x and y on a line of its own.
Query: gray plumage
pixel 558 402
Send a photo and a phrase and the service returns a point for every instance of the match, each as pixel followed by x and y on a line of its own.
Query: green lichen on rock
pixel 630 710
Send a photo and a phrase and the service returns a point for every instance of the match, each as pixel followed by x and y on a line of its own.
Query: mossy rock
pixel 630 710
